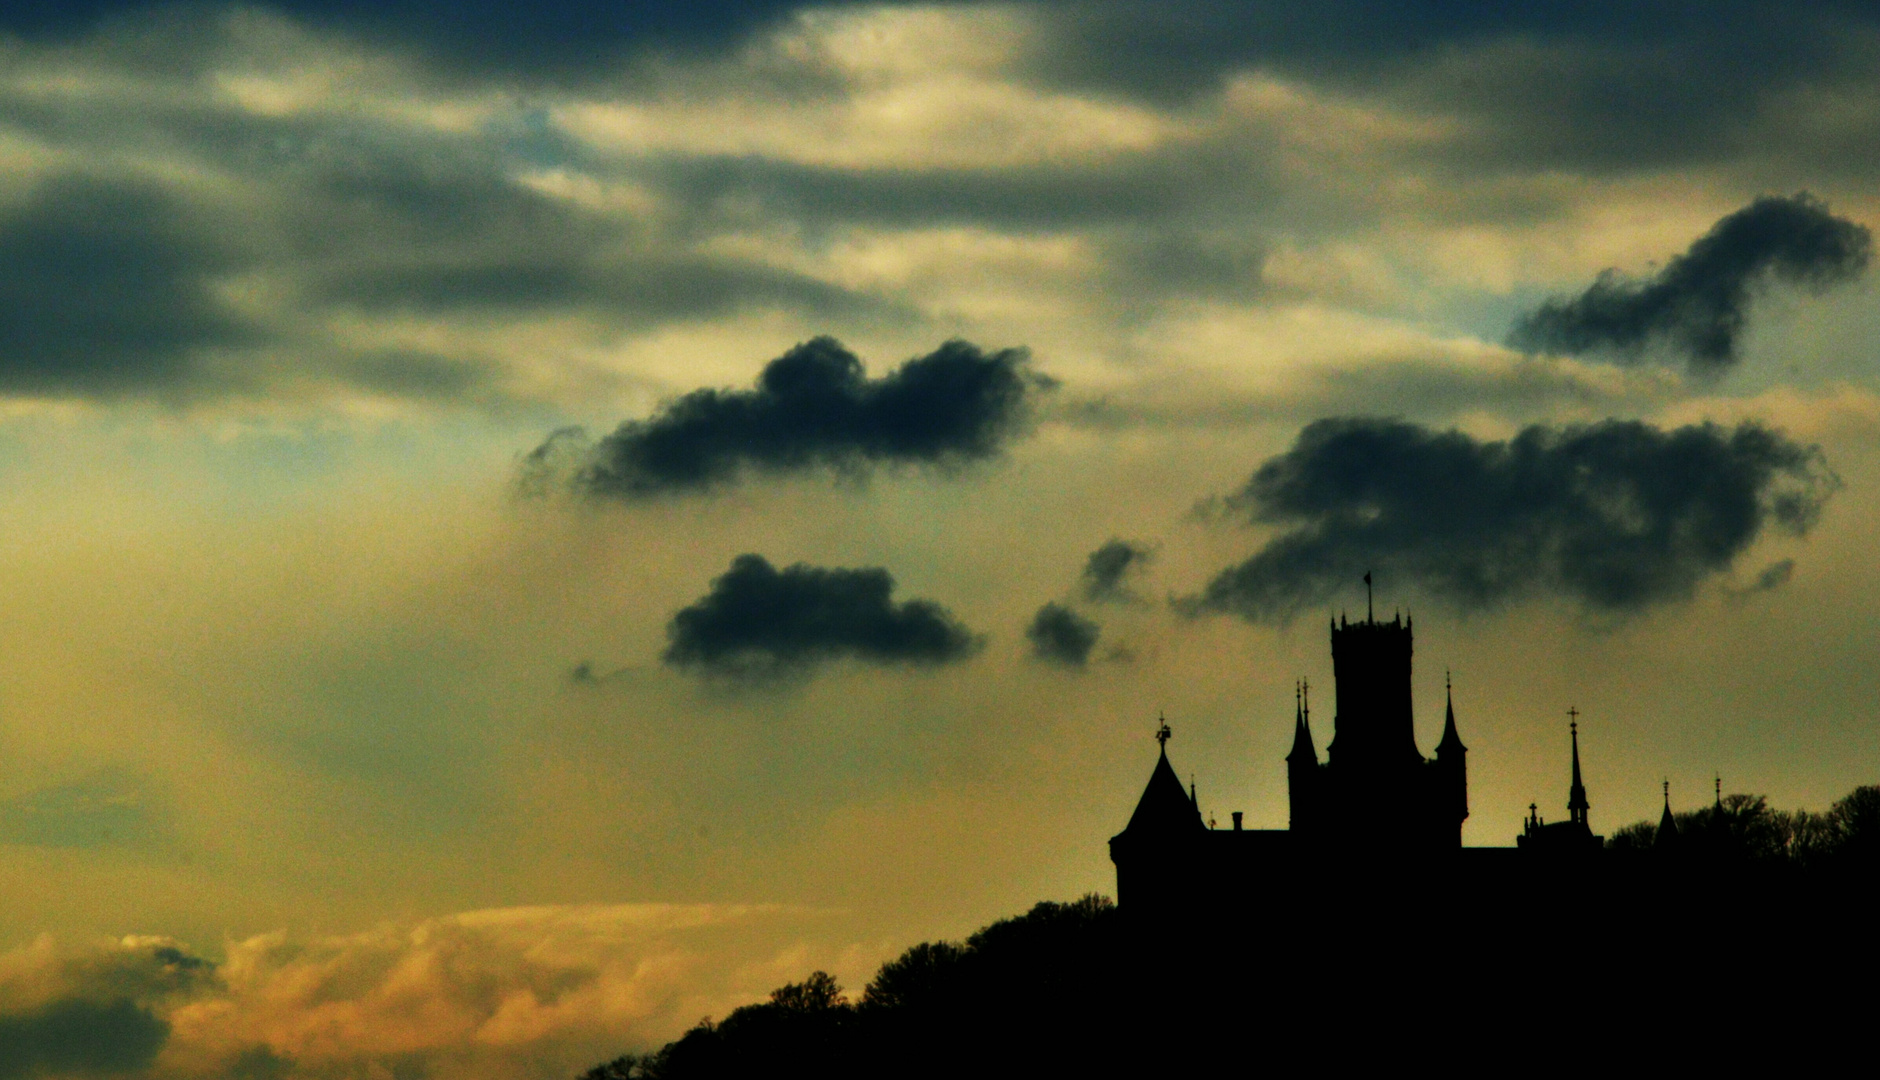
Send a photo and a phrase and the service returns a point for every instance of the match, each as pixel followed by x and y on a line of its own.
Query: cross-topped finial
pixel 1720 787
pixel 1162 732
pixel 1305 692
pixel 1573 719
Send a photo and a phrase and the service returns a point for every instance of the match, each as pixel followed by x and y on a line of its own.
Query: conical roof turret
pixel 1164 806
pixel 1667 834
pixel 1303 752
pixel 1451 742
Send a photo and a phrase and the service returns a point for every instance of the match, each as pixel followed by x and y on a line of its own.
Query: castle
pixel 1375 803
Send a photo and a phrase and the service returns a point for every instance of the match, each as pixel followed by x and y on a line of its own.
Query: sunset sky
pixel 526 530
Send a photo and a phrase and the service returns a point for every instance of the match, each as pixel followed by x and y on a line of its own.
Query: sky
pixel 525 529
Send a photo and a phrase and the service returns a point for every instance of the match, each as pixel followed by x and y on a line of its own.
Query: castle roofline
pixel 1164 806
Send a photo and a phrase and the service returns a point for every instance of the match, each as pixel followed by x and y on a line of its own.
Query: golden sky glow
pixel 338 748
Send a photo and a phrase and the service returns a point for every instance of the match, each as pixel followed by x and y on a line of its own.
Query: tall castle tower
pixel 1376 792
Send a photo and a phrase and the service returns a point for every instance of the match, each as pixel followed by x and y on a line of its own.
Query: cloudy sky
pixel 526 530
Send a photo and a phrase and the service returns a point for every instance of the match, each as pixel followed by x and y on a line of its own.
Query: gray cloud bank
pixel 758 620
pixel 1617 515
pixel 1698 304
pixel 106 288
pixel 1059 635
pixel 813 407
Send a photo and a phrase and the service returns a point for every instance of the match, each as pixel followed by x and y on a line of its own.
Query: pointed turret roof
pixel 1667 834
pixel 1576 792
pixel 1451 741
pixel 1303 752
pixel 1164 806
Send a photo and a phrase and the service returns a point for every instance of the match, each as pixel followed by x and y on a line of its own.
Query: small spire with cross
pixel 1573 720
pixel 1162 732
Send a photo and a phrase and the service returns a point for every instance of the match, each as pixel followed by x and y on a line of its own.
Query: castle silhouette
pixel 1376 802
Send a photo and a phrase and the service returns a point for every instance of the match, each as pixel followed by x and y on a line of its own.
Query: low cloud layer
pixel 1059 635
pixel 813 407
pixel 1617 515
pixel 757 620
pixel 1109 569
pixel 481 995
pixel 93 1011
pixel 1697 306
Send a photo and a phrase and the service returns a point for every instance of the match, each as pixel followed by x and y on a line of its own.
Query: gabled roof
pixel 1164 806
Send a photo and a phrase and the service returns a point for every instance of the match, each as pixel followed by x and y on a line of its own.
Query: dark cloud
pixel 572 38
pixel 1109 568
pixel 1574 84
pixel 1697 305
pixel 392 220
pixel 80 1037
pixel 814 407
pixel 1059 635
pixel 1616 515
pixel 106 287
pixel 760 620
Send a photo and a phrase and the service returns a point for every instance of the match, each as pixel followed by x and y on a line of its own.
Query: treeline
pixel 1747 828
pixel 1311 951
pixel 935 1010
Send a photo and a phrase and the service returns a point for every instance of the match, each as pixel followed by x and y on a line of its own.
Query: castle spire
pixel 1576 793
pixel 1303 752
pixel 1451 742
pixel 1667 834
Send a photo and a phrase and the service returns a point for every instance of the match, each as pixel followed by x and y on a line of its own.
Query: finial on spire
pixel 1162 733
pixel 1369 616
pixel 1719 789
pixel 1573 720
pixel 1667 785
pixel 1305 696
